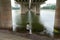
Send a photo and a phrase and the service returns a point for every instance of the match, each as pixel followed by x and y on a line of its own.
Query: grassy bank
pixel 57 32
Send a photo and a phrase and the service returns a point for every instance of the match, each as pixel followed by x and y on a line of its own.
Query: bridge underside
pixel 35 5
pixel 34 8
pixel 33 1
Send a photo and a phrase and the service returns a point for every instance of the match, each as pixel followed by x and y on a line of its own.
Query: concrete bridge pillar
pixel 24 9
pixel 5 14
pixel 34 8
pixel 37 9
pixel 57 15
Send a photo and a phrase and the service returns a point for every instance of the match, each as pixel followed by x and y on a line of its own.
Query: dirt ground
pixel 9 35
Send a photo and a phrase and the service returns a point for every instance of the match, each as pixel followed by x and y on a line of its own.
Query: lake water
pixel 46 17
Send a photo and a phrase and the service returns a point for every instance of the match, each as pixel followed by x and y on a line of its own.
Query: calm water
pixel 46 17
pixel 16 17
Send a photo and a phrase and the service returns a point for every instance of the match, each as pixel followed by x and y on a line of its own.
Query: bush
pixel 56 30
pixel 36 25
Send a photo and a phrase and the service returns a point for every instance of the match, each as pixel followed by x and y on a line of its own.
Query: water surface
pixel 46 17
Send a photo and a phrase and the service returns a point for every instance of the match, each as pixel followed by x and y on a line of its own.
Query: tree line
pixel 53 7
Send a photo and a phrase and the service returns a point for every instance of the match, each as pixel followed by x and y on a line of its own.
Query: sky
pixel 50 1
pixel 47 2
pixel 12 3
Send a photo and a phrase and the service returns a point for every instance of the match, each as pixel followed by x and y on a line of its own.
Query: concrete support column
pixel 0 13
pixel 6 16
pixel 24 9
pixel 57 15
pixel 38 9
pixel 35 9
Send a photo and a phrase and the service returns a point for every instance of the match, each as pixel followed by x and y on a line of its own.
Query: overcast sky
pixel 49 2
pixel 12 3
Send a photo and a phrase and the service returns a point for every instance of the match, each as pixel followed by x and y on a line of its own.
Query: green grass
pixel 36 25
pixel 56 31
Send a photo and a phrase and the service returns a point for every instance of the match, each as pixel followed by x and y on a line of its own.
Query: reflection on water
pixel 47 19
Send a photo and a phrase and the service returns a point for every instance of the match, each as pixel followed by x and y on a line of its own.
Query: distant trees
pixel 49 7
pixel 15 8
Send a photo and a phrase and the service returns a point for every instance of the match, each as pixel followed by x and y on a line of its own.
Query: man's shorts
pixel 27 30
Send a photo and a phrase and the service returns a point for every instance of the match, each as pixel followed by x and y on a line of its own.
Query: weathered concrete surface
pixel 24 8
pixel 57 14
pixel 5 35
pixel 35 8
pixel 5 14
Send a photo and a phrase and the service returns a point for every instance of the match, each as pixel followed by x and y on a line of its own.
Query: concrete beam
pixel 35 8
pixel 33 1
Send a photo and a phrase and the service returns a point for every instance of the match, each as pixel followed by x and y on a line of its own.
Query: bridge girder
pixel 33 1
